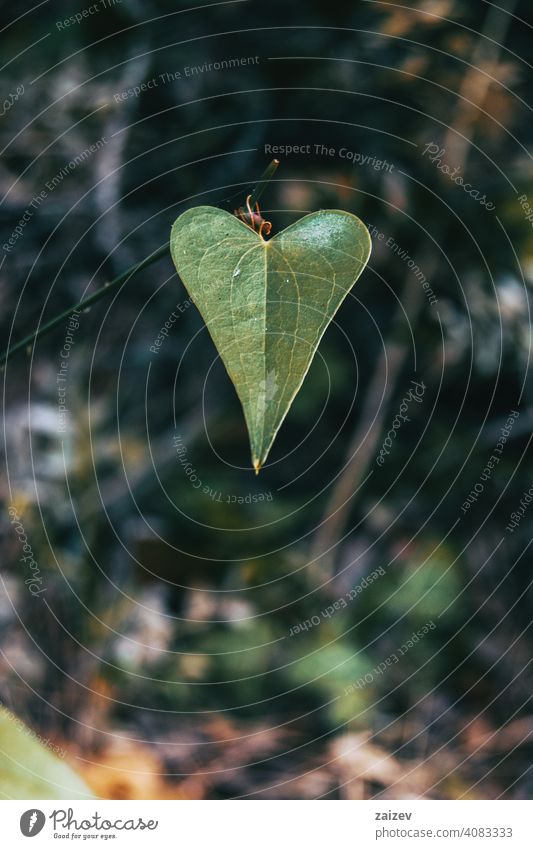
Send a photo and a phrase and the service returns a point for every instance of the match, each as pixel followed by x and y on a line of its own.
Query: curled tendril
pixel 253 218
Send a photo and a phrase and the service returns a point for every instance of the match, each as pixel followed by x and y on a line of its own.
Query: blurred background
pixel 355 622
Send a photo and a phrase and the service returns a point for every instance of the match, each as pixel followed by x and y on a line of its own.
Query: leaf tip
pixel 257 466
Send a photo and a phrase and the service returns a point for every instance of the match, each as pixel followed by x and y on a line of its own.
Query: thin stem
pixel 263 181
pixel 112 284
pixel 81 305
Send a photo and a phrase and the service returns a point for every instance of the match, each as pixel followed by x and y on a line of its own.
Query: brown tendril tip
pixel 253 218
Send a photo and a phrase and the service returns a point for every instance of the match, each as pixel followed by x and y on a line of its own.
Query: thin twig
pixel 81 305
pixel 265 178
pixel 340 504
pixel 30 338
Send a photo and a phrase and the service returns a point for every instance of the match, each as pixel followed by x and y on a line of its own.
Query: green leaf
pixel 267 304
pixel 29 770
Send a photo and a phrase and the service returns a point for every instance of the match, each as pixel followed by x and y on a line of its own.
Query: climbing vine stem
pixel 27 341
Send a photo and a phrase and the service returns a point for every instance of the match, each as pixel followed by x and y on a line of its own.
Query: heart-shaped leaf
pixel 29 770
pixel 267 304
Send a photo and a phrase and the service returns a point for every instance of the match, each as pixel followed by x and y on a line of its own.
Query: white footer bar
pixel 268 824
